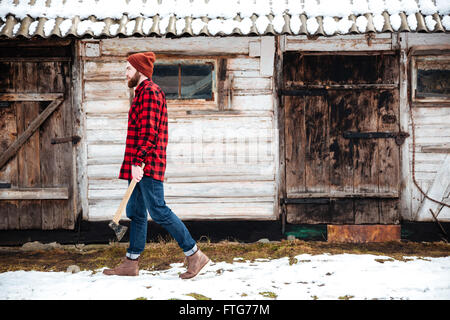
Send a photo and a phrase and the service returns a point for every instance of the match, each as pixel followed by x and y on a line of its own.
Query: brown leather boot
pixel 127 267
pixel 195 264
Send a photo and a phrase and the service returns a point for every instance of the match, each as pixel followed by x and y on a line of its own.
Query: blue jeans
pixel 148 195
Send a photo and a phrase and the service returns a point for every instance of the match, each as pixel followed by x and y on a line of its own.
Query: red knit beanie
pixel 143 62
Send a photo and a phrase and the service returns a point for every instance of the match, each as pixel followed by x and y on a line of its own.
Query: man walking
pixel 146 143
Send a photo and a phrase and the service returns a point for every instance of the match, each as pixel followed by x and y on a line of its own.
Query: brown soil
pixel 159 256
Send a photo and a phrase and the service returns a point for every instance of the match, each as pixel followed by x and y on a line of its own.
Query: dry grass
pixel 159 256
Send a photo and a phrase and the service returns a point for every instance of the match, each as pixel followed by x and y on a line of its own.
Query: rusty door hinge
pixel 73 139
pixel 398 136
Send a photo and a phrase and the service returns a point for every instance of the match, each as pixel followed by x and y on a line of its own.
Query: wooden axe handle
pixel 125 199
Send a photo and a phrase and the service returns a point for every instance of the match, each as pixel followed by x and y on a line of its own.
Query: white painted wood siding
pixel 220 166
pixel 432 129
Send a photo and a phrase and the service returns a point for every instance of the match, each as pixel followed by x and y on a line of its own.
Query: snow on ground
pixel 307 277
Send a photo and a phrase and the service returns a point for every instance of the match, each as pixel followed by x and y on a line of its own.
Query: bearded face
pixel 134 80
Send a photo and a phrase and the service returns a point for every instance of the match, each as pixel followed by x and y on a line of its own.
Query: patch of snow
pixel 446 22
pixel 180 24
pixel 16 27
pixel 146 25
pixel 329 26
pixel 344 25
pixel 48 27
pixel 245 25
pixel 312 25
pixel 33 26
pixel 197 25
pixel 64 26
pixel 303 277
pixel 359 7
pixel 427 7
pixel 378 22
pixel 412 22
pixel 377 6
pixel 361 23
pixel 430 22
pixel 129 27
pixel 443 6
pixel 295 24
pixel 410 7
pixel 278 23
pixel 396 21
pixel 261 23
pixel 393 6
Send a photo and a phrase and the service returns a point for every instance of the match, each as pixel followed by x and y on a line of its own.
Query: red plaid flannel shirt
pixel 147 133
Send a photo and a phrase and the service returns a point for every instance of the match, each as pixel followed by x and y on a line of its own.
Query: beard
pixel 134 80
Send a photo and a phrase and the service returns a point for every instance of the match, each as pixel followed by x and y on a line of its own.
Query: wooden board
pixel 359 94
pixel 219 165
pixel 40 173
pixel 363 233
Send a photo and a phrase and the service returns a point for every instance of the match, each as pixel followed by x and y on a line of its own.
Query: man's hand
pixel 137 173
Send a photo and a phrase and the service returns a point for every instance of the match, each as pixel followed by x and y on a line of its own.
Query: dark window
pixel 183 81
pixel 433 83
pixel 432 78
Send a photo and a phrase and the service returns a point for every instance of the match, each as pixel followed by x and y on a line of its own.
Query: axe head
pixel 118 229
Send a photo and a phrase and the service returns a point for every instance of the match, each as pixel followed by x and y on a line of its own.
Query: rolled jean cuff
pixel 191 252
pixel 133 255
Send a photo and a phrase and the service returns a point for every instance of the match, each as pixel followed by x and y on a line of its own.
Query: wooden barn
pixel 296 112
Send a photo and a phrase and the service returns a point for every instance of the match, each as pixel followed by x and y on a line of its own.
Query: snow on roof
pixel 106 18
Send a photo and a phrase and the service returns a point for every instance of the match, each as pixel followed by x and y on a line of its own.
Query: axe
pixel 118 229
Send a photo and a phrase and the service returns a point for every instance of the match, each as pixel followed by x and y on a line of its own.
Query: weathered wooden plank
pixel 243 64
pixel 190 170
pixel 109 107
pixel 30 96
pixel 267 56
pixel 32 127
pixel 214 209
pixel 257 84
pixel 295 132
pixel 56 159
pixel 8 80
pixel 179 134
pixel 389 157
pixel 203 190
pixel 105 70
pixel 366 160
pixel 252 102
pixel 34 194
pixel 28 147
pixel 381 41
pixel 340 194
pixel 197 152
pixel 106 90
pixel 436 191
pixel 227 125
pixel 363 233
pixel 425 39
pixel 316 146
pixel 436 149
pixel 8 133
pixel 188 46
pixel 342 119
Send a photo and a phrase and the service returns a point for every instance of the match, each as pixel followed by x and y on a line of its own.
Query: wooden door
pixel 341 124
pixel 36 181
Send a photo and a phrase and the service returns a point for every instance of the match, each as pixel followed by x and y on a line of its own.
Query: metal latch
pixel 398 136
pixel 73 139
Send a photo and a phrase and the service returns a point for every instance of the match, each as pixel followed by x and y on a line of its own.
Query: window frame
pixel 416 59
pixel 191 104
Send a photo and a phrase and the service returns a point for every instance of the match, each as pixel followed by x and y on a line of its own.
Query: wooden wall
pixel 221 164
pixel 432 139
